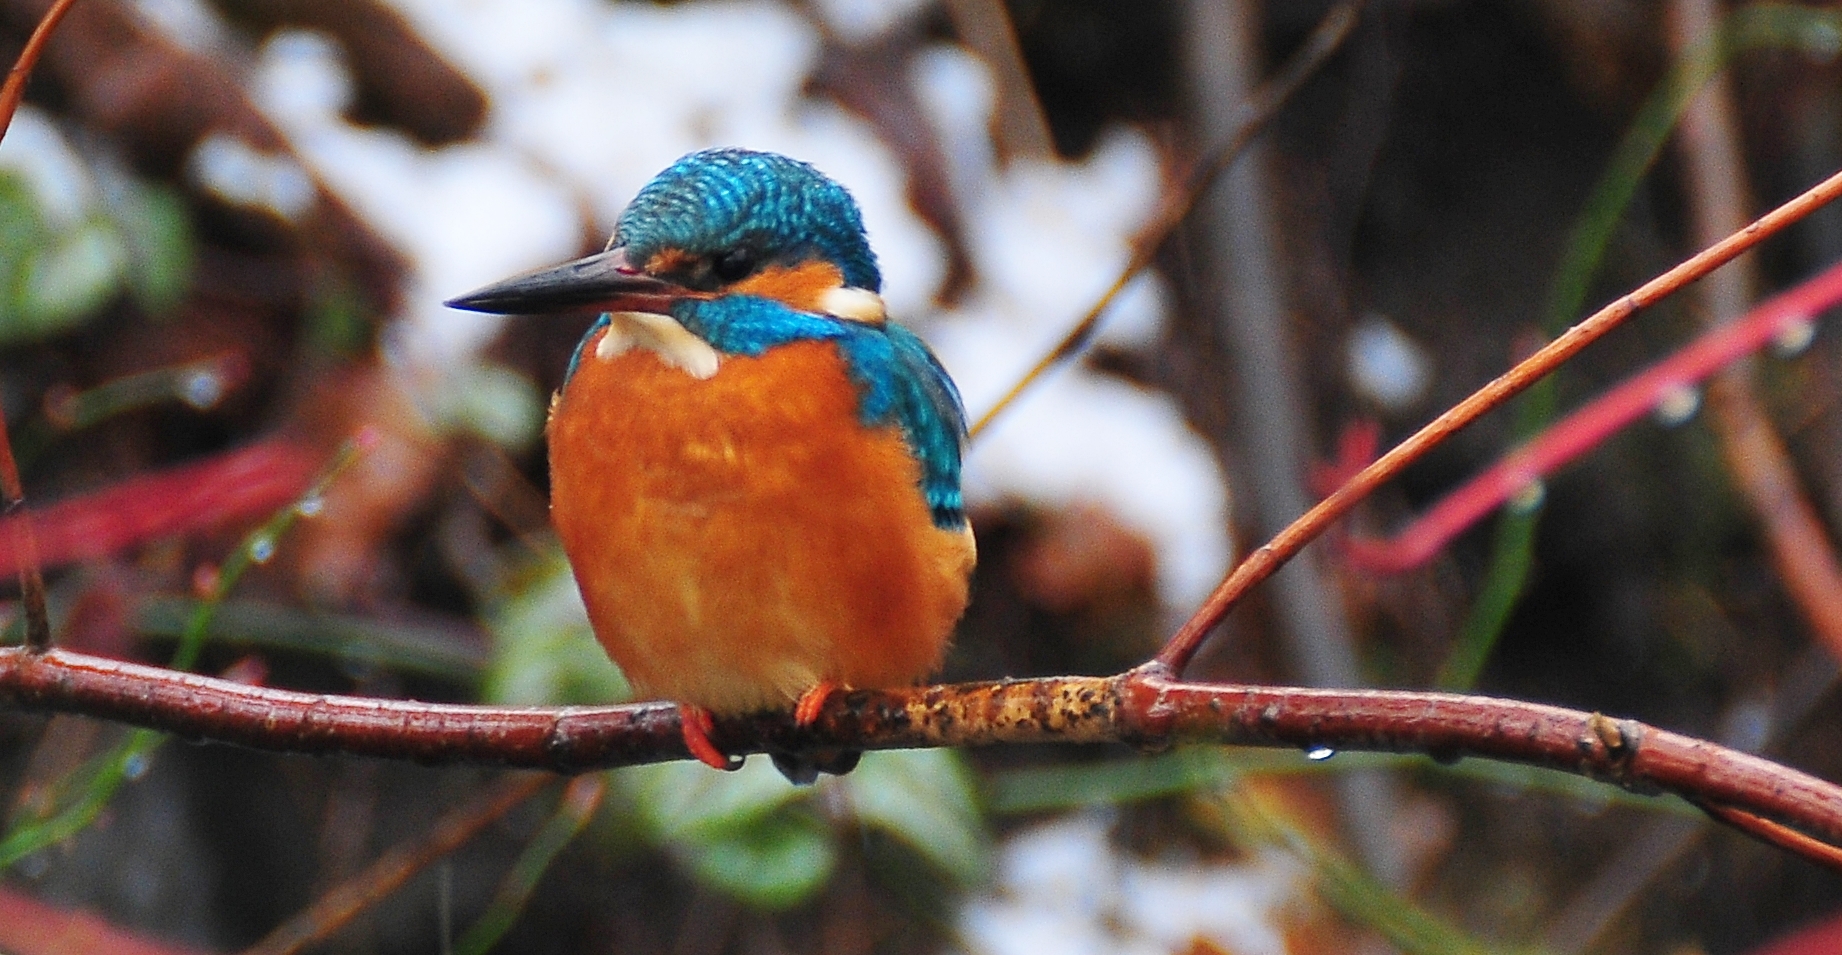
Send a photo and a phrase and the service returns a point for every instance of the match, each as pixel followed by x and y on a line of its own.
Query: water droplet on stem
pixel 1676 405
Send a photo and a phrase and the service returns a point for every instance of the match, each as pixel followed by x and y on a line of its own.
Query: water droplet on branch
pixel 1676 405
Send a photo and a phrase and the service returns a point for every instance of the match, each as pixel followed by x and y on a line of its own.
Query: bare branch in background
pixel 1261 564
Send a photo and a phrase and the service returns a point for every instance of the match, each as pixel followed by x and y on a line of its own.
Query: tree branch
pixel 1135 708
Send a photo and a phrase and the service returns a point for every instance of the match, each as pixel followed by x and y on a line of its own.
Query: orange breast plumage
pixel 741 538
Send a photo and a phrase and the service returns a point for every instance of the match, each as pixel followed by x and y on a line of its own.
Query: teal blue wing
pixel 901 382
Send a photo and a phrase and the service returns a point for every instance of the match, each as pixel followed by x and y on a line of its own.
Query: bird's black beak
pixel 604 282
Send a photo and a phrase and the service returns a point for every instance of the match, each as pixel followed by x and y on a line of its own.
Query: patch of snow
pixel 1388 366
pixel 36 149
pixel 1063 887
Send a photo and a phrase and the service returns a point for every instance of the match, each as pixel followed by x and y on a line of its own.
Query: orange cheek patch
pixel 667 261
pixel 801 286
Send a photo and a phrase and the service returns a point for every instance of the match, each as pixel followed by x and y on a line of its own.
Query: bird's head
pixel 715 223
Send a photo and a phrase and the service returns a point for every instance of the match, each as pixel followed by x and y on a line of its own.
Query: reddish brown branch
pixel 25 542
pixel 1261 564
pixel 199 707
pixel 1133 708
pixel 15 88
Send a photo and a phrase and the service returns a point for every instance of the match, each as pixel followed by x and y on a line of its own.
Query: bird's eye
pixel 733 265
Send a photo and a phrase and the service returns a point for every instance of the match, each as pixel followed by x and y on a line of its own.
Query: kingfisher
pixel 754 472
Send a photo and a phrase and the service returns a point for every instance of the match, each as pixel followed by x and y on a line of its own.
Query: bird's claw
pixel 812 703
pixel 696 725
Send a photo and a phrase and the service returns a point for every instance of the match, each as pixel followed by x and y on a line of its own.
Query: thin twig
pixel 1261 563
pixel 580 799
pixel 1177 202
pixel 1776 834
pixel 345 901
pixel 985 26
pixel 25 543
pixel 1714 186
pixel 25 547
pixel 15 88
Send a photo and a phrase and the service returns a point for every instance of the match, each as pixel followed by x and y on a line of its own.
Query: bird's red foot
pixel 812 703
pixel 697 724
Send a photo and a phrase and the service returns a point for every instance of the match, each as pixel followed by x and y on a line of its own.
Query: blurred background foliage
pixel 226 226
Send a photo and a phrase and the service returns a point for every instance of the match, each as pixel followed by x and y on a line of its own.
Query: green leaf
pixel 688 801
pixel 338 323
pixel 156 234
pixel 71 279
pixel 925 798
pixel 431 651
pixel 743 833
pixel 544 651
pixel 52 278
pixel 775 864
pixel 22 225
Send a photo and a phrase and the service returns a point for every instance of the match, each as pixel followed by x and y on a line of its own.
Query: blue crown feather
pixel 721 199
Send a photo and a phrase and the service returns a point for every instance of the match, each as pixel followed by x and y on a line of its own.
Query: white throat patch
pixel 856 304
pixel 661 335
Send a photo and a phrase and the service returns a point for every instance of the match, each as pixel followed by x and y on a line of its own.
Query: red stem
pixel 1591 425
pixel 1261 564
pixel 238 484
